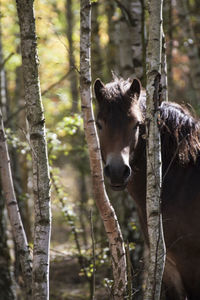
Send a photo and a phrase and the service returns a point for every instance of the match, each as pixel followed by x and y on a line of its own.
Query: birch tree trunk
pixel 129 35
pixel 7 196
pixel 168 28
pixel 195 10
pixel 137 37
pixel 153 152
pixel 124 36
pixel 106 211
pixel 13 211
pixel 192 48
pixel 164 80
pixel 41 179
pixel 112 47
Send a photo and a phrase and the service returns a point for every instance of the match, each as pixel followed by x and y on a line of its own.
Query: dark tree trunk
pixel 73 73
pixel 7 287
pixel 168 29
pixel 83 202
pixel 19 164
pixel 112 48
pixel 96 55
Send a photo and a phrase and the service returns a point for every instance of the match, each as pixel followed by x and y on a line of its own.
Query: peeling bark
pixel 153 150
pixel 106 211
pixel 36 122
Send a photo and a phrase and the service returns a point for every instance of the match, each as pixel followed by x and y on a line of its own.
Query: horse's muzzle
pixel 118 187
pixel 118 175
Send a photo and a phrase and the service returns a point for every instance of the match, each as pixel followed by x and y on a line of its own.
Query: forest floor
pixel 67 284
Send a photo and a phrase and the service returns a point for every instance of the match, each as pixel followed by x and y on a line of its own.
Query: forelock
pixel 116 90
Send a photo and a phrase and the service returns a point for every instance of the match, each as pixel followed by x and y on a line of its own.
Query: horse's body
pixel 122 137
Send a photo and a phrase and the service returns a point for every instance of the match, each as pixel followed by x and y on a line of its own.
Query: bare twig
pixel 74 66
pixel 126 11
pixel 5 60
pixel 93 257
pixel 14 114
pixel 129 275
pixel 56 83
pixel 73 228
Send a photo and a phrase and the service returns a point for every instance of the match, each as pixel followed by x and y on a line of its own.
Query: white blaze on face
pixel 121 157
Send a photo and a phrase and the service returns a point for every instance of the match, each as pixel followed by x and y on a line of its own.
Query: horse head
pixel 118 120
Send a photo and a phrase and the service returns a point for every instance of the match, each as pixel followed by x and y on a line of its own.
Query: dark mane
pixel 180 132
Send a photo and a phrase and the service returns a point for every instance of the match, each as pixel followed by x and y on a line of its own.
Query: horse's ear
pixel 135 88
pixel 98 86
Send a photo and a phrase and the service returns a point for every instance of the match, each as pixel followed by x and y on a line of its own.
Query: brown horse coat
pixel 120 121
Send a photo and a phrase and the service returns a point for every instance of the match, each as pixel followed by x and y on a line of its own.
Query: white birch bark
pixel 41 179
pixel 153 152
pixel 106 211
pixel 164 80
pixel 124 38
pixel 169 25
pixel 13 211
pixel 129 39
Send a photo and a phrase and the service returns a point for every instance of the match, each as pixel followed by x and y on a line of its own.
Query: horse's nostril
pixel 107 171
pixel 117 173
pixel 127 171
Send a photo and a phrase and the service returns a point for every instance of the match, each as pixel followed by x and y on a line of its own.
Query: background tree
pixel 7 288
pixel 72 62
pixel 192 48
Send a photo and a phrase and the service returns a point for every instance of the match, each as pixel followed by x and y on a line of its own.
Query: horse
pixel 121 126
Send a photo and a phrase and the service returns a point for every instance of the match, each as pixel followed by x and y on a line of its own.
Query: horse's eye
pixel 98 125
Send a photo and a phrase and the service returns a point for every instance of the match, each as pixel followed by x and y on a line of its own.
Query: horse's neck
pixel 137 184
